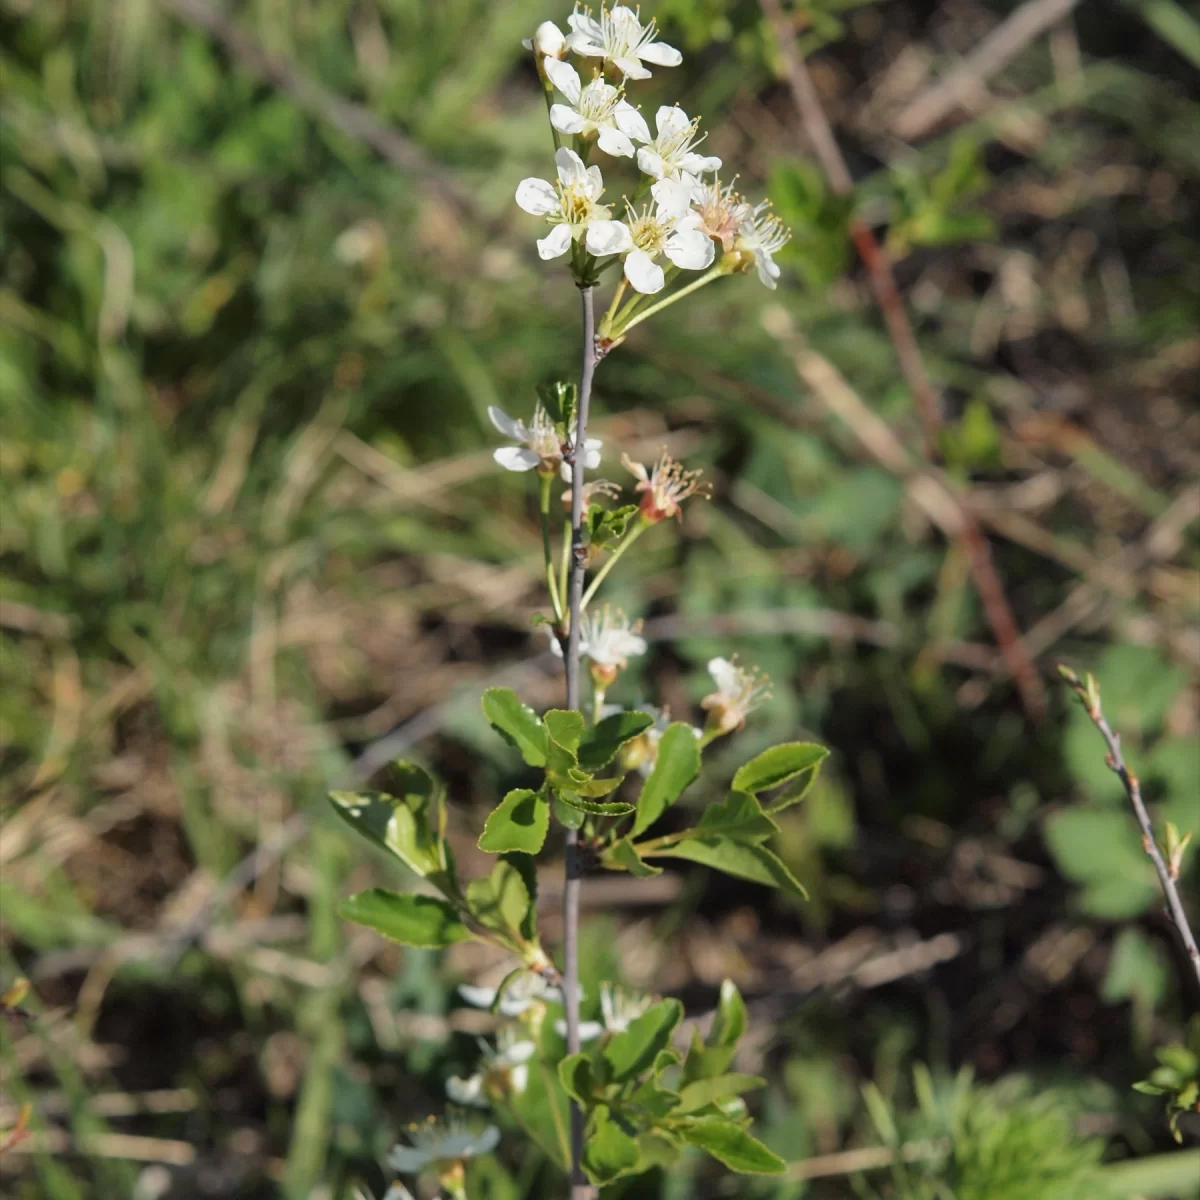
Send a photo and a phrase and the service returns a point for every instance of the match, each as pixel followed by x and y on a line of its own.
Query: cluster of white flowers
pixel 690 215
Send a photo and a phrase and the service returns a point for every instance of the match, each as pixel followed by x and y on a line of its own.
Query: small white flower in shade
pixel 441 1144
pixel 520 996
pixel 673 230
pixel 591 490
pixel 538 443
pixel 548 40
pixel 503 1071
pixel 620 38
pixel 739 692
pixel 672 154
pixel 721 211
pixel 664 487
pixel 761 234
pixel 618 1010
pixel 640 753
pixel 597 111
pixel 607 639
pixel 571 207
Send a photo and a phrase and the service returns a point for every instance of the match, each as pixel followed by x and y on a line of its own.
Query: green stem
pixel 545 483
pixel 631 537
pixel 548 94
pixel 597 704
pixel 606 324
pixel 715 273
pixel 565 564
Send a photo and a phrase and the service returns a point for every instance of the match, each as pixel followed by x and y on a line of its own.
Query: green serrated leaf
pixel 565 726
pixel 600 744
pixel 756 863
pixel 738 817
pixel 519 822
pixel 402 825
pixel 633 1049
pixel 567 815
pixel 704 1092
pixel 575 1074
pixel 677 764
pixel 411 920
pixel 517 723
pixel 730 1144
pixel 599 808
pixel 609 1152
pixel 501 901
pixel 779 764
pixel 622 855
pixel 559 399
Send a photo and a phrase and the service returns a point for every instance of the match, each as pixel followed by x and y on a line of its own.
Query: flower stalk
pixel 545 483
pixel 724 267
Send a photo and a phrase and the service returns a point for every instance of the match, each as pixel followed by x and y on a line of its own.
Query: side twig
pixel 580 1188
pixel 1167 866
pixel 908 356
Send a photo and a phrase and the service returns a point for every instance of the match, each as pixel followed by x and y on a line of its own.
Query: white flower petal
pixel 608 237
pixel 650 163
pixel 631 68
pixel 477 997
pixel 670 118
pixel 631 122
pixel 767 269
pixel 585 46
pixel 613 141
pixel 556 242
pixel 660 54
pixel 644 273
pixel 690 249
pixel 564 77
pixel 586 26
pixel 725 675
pixel 570 166
pixel 519 1079
pixel 466 1091
pixel 549 39
pixel 506 425
pixel 595 182
pixel 565 119
pixel 515 458
pixel 700 164
pixel 672 198
pixel 408 1161
pixel 591 459
pixel 537 197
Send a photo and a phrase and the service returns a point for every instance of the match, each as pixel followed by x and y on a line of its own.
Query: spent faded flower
pixel 672 153
pixel 503 1071
pixel 607 639
pixel 520 996
pixel 598 110
pixel 761 235
pixel 673 230
pixel 441 1144
pixel 570 206
pixel 739 692
pixel 664 487
pixel 538 444
pixel 620 38
pixel 721 211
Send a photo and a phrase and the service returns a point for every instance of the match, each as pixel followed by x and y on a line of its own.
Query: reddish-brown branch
pixel 908 355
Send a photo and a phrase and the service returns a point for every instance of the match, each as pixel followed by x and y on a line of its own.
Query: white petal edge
pixel 565 119
pixel 670 118
pixel 725 675
pixel 516 458
pixel 570 165
pixel 537 197
pixel 690 249
pixel 650 163
pixel 631 68
pixel 631 122
pixel 505 424
pixel 643 273
pixel 613 141
pixel 555 243
pixel 477 997
pixel 672 198
pixel 660 54
pixel 608 237
pixel 408 1161
pixel 564 77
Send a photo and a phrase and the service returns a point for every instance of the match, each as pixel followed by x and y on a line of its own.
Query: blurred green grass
pixel 249 523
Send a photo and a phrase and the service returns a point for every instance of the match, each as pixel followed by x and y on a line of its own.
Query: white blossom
pixel 618 1010
pixel 598 110
pixel 571 207
pixel 519 996
pixel 672 153
pixel 721 211
pixel 503 1070
pixel 739 692
pixel 762 234
pixel 608 638
pixel 537 444
pixel 620 38
pixel 673 230
pixel 548 40
pixel 441 1142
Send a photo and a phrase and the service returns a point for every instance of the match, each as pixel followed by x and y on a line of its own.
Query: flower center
pixel 624 33
pixel 648 232
pixel 543 437
pixel 598 102
pixel 575 205
pixel 673 145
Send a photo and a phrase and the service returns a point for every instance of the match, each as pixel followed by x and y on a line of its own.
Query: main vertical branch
pixel 580 1188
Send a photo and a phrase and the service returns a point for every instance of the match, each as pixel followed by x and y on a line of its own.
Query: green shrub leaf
pixel 600 744
pixel 402 825
pixel 677 764
pixel 609 1152
pixel 623 855
pixel 501 901
pixel 777 765
pixel 411 920
pixel 755 863
pixel 517 723
pixel 704 1092
pixel 520 822
pixel 635 1048
pixel 738 817
pixel 730 1144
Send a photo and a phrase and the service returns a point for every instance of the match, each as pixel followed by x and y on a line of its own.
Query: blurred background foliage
pixel 254 545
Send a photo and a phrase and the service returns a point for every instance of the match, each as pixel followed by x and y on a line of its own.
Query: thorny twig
pixel 908 356
pixel 1167 866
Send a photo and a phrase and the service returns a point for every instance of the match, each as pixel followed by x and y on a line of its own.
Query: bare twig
pixel 581 1189
pixel 1167 866
pixel 908 356
pixel 992 54
pixel 316 99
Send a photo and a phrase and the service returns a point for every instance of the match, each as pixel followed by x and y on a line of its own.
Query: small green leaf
pixel 599 808
pixel 575 1073
pixel 622 854
pixel 520 822
pixel 779 764
pixel 633 1049
pixel 730 1021
pixel 601 743
pixel 756 863
pixel 558 399
pixel 655 1099
pixel 501 901
pixel 704 1092
pixel 411 920
pixel 677 764
pixel 738 817
pixel 517 723
pixel 565 726
pixel 730 1144
pixel 567 815
pixel 602 526
pixel 580 783
pixel 402 825
pixel 609 1151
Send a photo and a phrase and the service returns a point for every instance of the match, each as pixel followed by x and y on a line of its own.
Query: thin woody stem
pixel 580 1188
pixel 1090 698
